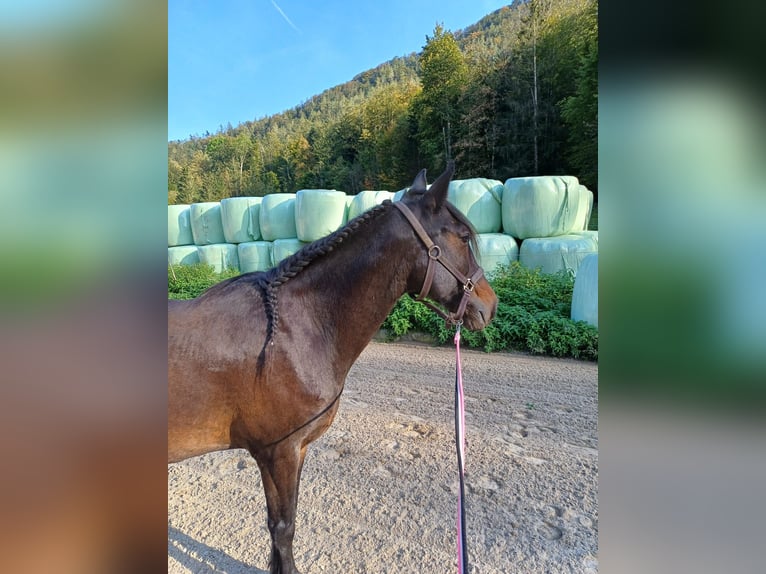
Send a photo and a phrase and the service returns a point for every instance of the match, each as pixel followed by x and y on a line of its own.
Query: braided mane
pixel 271 280
pixel 294 264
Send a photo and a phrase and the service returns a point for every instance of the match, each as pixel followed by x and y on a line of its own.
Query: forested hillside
pixel 513 95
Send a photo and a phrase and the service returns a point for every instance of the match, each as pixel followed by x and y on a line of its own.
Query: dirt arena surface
pixel 378 491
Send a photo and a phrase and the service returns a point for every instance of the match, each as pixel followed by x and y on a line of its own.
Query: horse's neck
pixel 356 285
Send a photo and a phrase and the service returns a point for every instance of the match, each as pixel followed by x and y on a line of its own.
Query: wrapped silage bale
pixel 366 200
pixel 283 248
pixel 361 202
pixel 495 249
pixel 542 206
pixel 585 291
pixel 381 196
pixel 584 209
pixel 554 254
pixel 179 226
pixel 318 212
pixel 254 256
pixel 277 216
pixel 206 224
pixel 221 256
pixel 183 255
pixel 240 217
pixel 480 200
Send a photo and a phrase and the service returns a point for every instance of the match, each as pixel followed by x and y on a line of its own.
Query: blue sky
pixel 238 60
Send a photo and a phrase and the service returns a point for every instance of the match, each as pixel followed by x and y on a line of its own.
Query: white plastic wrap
pixel 241 219
pixel 283 248
pixel 206 224
pixel 318 212
pixel 584 209
pixel 480 200
pixel 544 206
pixel 221 256
pixel 277 216
pixel 495 249
pixel 179 226
pixel 585 292
pixel 183 255
pixel 553 254
pixel 254 256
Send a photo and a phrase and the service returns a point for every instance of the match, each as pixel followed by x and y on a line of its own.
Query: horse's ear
pixel 420 184
pixel 437 193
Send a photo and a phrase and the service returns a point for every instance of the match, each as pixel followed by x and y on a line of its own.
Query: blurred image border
pixel 682 219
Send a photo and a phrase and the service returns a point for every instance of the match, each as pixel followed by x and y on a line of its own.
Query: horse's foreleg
pixel 281 472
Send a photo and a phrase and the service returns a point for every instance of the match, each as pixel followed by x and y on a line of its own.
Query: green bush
pixel 532 315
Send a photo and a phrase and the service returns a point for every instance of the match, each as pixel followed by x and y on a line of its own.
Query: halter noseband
pixel 435 254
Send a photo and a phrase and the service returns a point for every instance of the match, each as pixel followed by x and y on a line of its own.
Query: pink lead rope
pixel 462 551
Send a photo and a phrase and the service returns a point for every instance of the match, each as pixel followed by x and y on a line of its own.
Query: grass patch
pixel 188 281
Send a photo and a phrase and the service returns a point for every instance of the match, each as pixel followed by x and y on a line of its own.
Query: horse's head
pixel 446 270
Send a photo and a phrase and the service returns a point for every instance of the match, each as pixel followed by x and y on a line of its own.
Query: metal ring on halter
pixel 434 252
pixel 469 286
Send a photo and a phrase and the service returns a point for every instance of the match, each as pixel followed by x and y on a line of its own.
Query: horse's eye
pixel 465 238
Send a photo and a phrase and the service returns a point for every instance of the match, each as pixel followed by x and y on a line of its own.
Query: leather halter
pixel 435 254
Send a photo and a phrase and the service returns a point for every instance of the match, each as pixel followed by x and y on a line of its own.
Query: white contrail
pixel 285 17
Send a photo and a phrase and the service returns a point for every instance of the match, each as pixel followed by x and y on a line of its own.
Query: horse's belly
pixel 183 445
pixel 194 429
pixel 199 412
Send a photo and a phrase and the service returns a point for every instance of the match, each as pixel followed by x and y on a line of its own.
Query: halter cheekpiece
pixel 435 254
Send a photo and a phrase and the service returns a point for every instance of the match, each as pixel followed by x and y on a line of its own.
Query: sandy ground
pixel 378 492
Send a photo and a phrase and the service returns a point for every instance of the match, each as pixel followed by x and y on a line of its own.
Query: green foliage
pixel 532 316
pixel 580 110
pixel 188 281
pixel 443 73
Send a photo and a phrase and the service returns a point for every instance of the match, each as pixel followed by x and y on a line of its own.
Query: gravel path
pixel 378 492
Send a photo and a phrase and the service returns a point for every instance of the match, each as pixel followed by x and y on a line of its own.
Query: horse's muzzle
pixel 481 308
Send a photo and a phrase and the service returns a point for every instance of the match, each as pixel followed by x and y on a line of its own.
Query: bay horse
pixel 259 361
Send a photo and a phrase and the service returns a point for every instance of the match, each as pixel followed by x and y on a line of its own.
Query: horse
pixel 259 361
